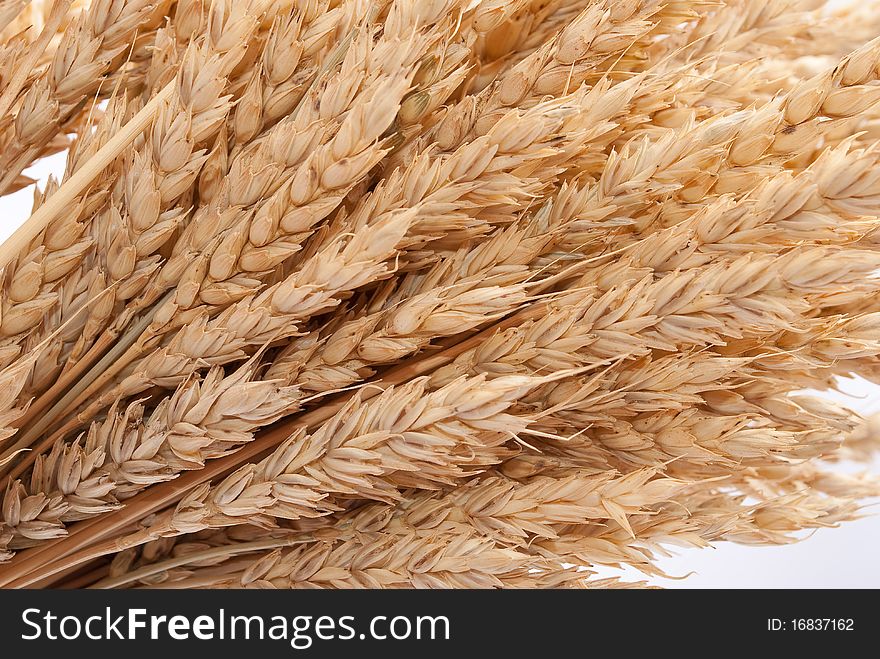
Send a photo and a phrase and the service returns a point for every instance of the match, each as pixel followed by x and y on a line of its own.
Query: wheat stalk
pixel 438 293
pixel 87 52
pixel 276 145
pixel 463 165
pixel 131 450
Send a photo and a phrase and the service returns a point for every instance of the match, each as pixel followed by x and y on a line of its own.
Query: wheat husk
pixel 435 293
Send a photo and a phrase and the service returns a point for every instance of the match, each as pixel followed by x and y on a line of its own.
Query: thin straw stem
pixel 76 184
pixel 99 374
pixel 87 578
pixel 78 546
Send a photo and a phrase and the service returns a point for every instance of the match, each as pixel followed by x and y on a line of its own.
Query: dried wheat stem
pixel 78 369
pixel 300 188
pixel 143 212
pixel 87 52
pixel 514 513
pixel 467 156
pixel 164 494
pixel 400 439
pixel 76 184
pixel 132 449
pixel 342 266
pixel 68 387
pixel 185 258
pixel 589 291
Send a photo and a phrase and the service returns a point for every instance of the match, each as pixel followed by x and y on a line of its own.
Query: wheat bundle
pixel 430 293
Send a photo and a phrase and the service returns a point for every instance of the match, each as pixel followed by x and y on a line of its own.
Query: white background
pixel 845 557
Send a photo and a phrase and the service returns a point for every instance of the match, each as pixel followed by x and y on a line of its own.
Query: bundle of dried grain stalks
pixel 456 293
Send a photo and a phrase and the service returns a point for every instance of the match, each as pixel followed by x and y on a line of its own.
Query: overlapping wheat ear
pixel 445 293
